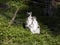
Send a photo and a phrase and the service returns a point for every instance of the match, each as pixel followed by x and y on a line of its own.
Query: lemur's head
pixel 29 14
pixel 34 18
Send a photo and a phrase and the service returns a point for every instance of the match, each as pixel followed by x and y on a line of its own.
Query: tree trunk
pixel 50 7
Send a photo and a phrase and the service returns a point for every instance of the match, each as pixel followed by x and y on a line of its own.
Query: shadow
pixel 53 24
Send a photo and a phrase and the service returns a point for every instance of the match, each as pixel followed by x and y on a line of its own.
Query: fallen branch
pixel 12 20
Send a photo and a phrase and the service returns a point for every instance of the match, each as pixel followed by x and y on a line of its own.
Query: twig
pixel 12 20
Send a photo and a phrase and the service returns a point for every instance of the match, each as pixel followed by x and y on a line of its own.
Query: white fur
pixel 29 20
pixel 34 27
pixel 32 24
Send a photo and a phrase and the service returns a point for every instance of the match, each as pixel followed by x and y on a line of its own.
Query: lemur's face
pixel 29 13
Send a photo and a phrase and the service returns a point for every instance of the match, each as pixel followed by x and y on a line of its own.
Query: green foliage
pixel 17 4
pixel 17 35
pixel 13 5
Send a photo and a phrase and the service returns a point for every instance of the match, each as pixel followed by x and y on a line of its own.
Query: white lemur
pixel 32 24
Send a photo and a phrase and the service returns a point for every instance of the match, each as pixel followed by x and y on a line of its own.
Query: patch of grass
pixel 17 35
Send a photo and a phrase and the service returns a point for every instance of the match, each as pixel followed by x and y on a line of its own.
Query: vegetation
pixel 17 35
